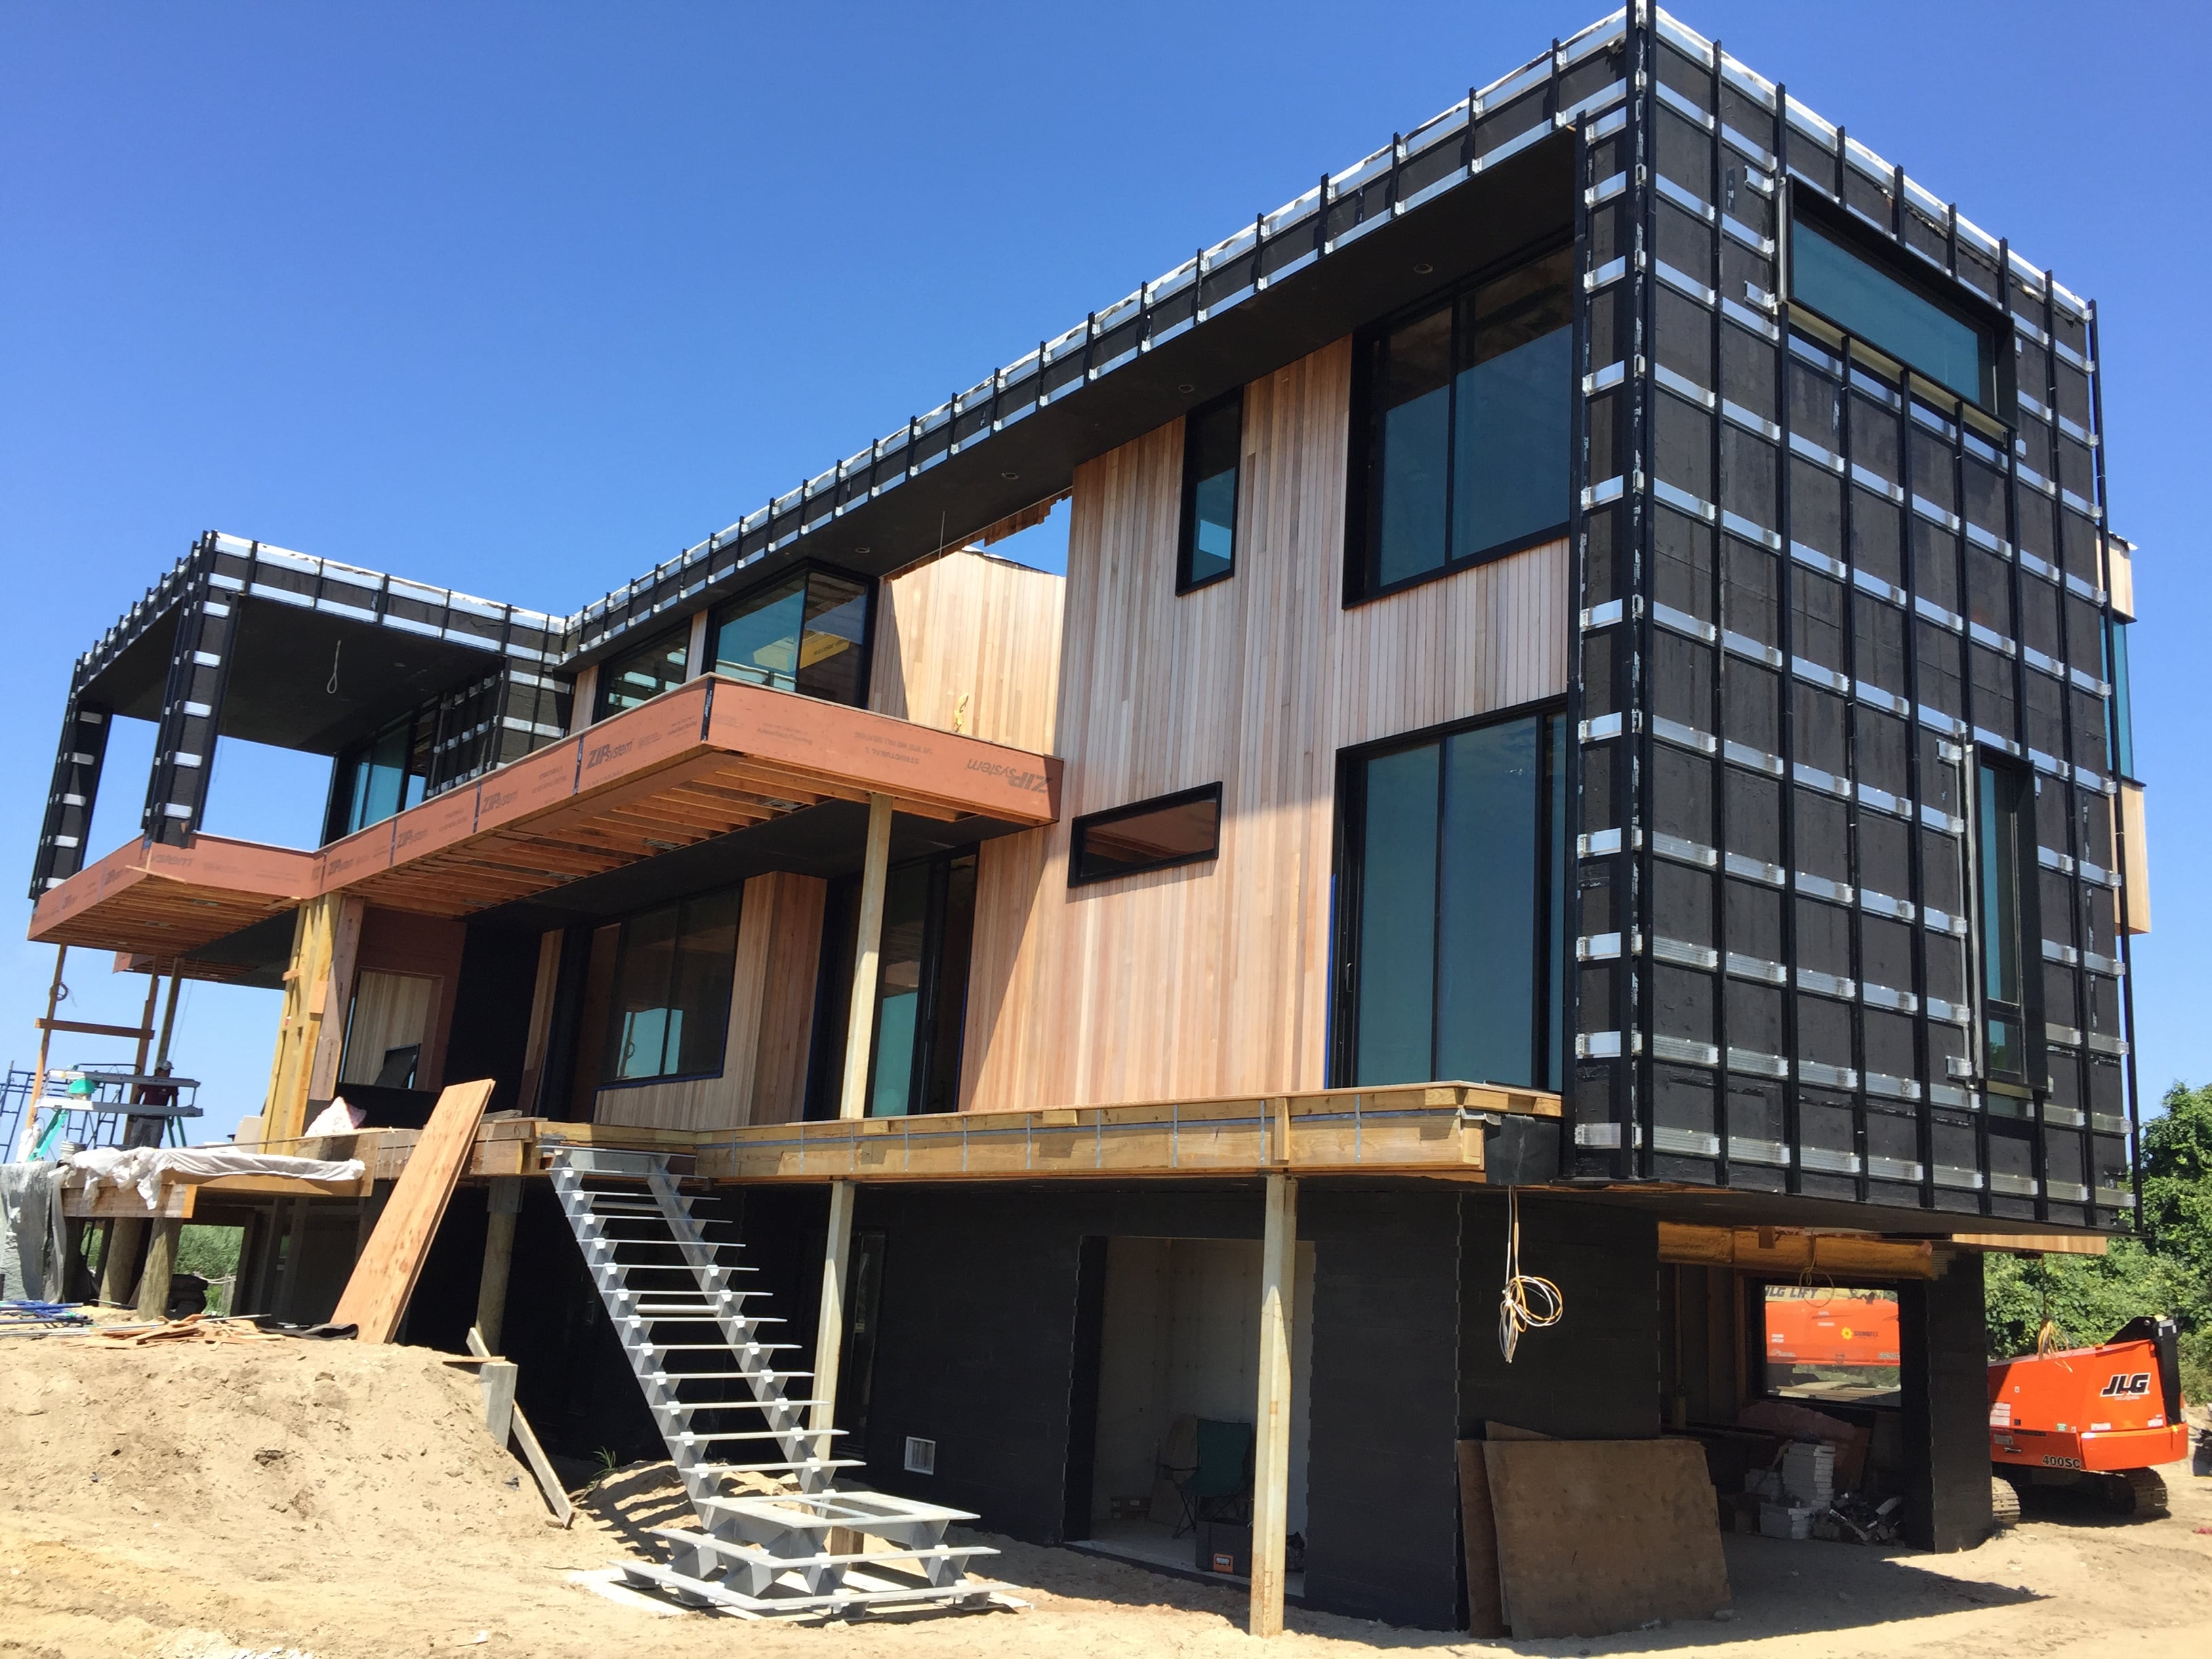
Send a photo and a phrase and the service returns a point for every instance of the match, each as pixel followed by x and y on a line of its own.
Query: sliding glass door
pixel 1452 909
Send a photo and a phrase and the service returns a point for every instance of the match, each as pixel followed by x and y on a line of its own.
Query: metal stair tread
pixel 855 1513
pixel 784 1467
pixel 759 1555
pixel 966 1590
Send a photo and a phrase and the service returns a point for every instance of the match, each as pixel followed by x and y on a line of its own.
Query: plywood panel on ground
pixel 1596 1536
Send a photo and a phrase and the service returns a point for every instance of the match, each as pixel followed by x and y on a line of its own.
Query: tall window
pixel 1828 274
pixel 2119 710
pixel 670 1010
pixel 2002 850
pixel 1213 445
pixel 1462 453
pixel 1452 932
pixel 921 990
pixel 805 633
pixel 640 675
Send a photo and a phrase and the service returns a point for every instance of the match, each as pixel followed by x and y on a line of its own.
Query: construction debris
pixel 193 1327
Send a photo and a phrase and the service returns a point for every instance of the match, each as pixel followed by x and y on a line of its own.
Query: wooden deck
pixel 711 757
pixel 1433 1129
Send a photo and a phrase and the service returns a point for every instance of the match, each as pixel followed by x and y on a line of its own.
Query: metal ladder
pixel 693 1335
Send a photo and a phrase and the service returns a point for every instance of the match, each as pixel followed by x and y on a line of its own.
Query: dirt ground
pixel 290 1497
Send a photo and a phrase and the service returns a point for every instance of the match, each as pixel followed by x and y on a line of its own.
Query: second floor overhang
pixel 716 779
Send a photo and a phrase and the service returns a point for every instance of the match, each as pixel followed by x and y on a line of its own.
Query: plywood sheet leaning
pixel 1478 1526
pixel 1596 1536
pixel 384 1277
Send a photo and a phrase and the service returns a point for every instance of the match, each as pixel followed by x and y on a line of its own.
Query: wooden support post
pixel 120 1262
pixel 30 1135
pixel 496 1379
pixel 829 1332
pixel 1270 1455
pixel 541 1020
pixel 289 1238
pixel 860 1043
pixel 168 1018
pixel 308 995
pixel 506 1203
pixel 160 1262
pixel 140 1131
pixel 861 1024
pixel 337 1003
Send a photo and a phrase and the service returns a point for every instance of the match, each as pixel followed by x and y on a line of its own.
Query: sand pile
pixel 338 1501
pixel 363 1443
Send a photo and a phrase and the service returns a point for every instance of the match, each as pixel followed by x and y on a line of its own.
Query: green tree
pixel 2166 1270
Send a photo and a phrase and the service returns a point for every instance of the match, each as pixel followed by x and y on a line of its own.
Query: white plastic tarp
pixel 147 1167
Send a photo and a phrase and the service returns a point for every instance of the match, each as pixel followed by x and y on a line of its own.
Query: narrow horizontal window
pixel 1829 275
pixel 1152 835
pixel 1213 445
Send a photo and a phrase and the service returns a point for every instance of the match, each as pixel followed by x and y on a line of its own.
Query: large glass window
pixel 385 775
pixel 2001 826
pixel 922 989
pixel 1213 446
pixel 1831 277
pixel 1465 451
pixel 1453 939
pixel 642 674
pixel 806 633
pixel 445 741
pixel 670 1008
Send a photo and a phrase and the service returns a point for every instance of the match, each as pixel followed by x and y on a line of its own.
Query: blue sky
pixel 521 299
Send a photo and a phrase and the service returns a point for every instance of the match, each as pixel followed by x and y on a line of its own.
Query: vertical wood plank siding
pixel 970 643
pixel 965 642
pixel 1213 978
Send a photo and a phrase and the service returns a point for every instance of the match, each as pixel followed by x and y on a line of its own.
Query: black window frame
pixel 2026 1079
pixel 603 681
pixel 943 992
pixel 608 1078
pixel 1186 531
pixel 1554 996
pixel 1081 828
pixel 450 739
pixel 1930 282
pixel 806 571
pixel 1360 554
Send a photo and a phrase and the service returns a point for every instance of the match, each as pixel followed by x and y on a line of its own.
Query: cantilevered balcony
pixel 676 778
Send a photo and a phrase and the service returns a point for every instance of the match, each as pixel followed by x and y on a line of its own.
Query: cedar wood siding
pixel 962 643
pixel 1213 978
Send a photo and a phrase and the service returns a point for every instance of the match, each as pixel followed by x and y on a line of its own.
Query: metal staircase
pixel 776 1538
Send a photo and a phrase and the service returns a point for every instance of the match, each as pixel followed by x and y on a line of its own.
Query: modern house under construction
pixel 1592 663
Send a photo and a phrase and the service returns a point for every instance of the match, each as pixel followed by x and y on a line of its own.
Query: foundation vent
pixel 920 1455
